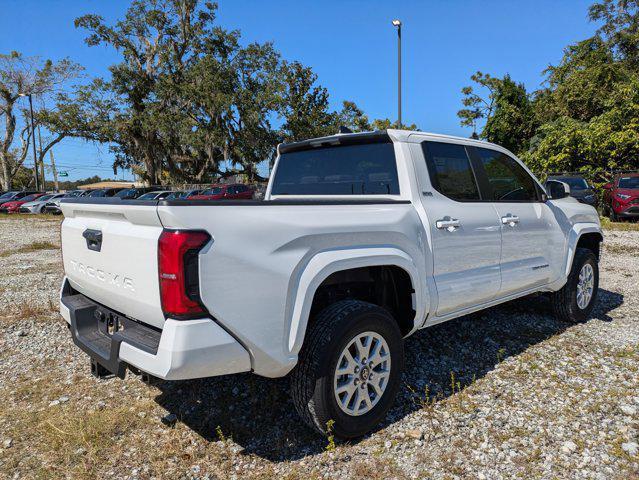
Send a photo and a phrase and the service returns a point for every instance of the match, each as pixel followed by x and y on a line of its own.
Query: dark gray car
pixel 579 188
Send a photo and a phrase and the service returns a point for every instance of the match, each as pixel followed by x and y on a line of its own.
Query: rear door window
pixel 361 169
pixel 450 171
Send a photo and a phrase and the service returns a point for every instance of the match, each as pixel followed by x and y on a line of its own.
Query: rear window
pixel 575 183
pixel 363 169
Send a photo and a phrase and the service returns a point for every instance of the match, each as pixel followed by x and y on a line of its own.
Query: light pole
pixel 35 158
pixel 398 24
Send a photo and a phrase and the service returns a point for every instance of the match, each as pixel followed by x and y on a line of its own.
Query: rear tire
pixel 575 301
pixel 351 402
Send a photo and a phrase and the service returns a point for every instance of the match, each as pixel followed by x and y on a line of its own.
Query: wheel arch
pixel 324 264
pixel 587 235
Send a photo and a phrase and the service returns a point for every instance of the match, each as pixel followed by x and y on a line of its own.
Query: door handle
pixel 93 238
pixel 509 219
pixel 447 223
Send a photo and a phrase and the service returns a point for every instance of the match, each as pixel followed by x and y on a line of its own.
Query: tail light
pixel 178 272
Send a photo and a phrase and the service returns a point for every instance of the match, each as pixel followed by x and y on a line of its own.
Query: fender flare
pixel 325 263
pixel 577 231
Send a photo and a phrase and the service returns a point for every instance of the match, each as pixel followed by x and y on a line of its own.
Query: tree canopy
pixel 191 102
pixel 585 118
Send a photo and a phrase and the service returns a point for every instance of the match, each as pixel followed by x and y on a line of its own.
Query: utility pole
pixel 56 187
pixel 41 161
pixel 398 24
pixel 35 158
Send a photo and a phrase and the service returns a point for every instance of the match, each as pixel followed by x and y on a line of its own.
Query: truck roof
pixel 374 136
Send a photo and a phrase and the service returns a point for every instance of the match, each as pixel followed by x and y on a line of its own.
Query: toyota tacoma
pixel 361 240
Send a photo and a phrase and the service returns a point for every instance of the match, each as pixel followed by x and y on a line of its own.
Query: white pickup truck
pixel 361 240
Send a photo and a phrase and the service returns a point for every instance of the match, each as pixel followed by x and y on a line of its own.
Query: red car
pixel 14 206
pixel 227 192
pixel 621 197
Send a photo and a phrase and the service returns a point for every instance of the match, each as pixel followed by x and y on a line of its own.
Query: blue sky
pixel 350 44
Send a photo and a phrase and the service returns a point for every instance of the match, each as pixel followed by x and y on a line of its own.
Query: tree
pixel 507 110
pixel 586 117
pixel 157 40
pixel 305 105
pixel 620 28
pixel 20 76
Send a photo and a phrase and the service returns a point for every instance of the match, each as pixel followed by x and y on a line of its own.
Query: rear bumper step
pixel 99 332
pixel 183 349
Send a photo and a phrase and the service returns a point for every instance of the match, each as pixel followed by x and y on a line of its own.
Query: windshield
pixel 28 198
pixel 575 183
pixel 44 197
pixel 213 191
pixel 363 169
pixel 8 195
pixel 129 192
pixel 631 183
pixel 97 193
pixel 174 195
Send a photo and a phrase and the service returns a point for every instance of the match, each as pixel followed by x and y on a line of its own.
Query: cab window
pixel 507 179
pixel 450 171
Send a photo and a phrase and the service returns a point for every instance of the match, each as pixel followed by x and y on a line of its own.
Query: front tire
pixel 349 369
pixel 575 301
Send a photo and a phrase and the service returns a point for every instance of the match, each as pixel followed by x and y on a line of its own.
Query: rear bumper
pixel 183 349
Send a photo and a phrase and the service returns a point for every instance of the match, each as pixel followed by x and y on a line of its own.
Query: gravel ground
pixel 506 393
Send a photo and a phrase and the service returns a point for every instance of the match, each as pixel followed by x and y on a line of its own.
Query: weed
pixel 220 434
pixel 501 353
pixel 330 447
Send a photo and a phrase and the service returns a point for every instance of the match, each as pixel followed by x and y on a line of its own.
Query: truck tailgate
pixel 110 255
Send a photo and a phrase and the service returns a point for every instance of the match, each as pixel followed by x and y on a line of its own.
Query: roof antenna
pixel 343 129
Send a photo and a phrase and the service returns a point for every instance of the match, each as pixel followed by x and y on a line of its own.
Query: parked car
pixel 53 205
pixel 104 192
pixel 14 195
pixel 361 240
pixel 621 197
pixel 38 205
pixel 192 193
pixel 132 193
pixel 579 188
pixel 87 192
pixel 227 192
pixel 176 194
pixel 158 195
pixel 14 205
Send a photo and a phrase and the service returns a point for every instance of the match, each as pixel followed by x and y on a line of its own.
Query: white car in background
pixel 37 206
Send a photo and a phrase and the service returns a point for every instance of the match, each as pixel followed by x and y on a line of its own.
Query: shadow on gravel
pixel 258 415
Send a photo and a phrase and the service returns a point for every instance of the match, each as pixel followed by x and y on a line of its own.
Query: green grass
pixel 628 226
pixel 32 247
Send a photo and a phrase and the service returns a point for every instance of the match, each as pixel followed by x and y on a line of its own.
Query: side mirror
pixel 557 189
pixel 607 186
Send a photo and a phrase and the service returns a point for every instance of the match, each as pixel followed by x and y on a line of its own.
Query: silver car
pixel 37 206
pixel 53 204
